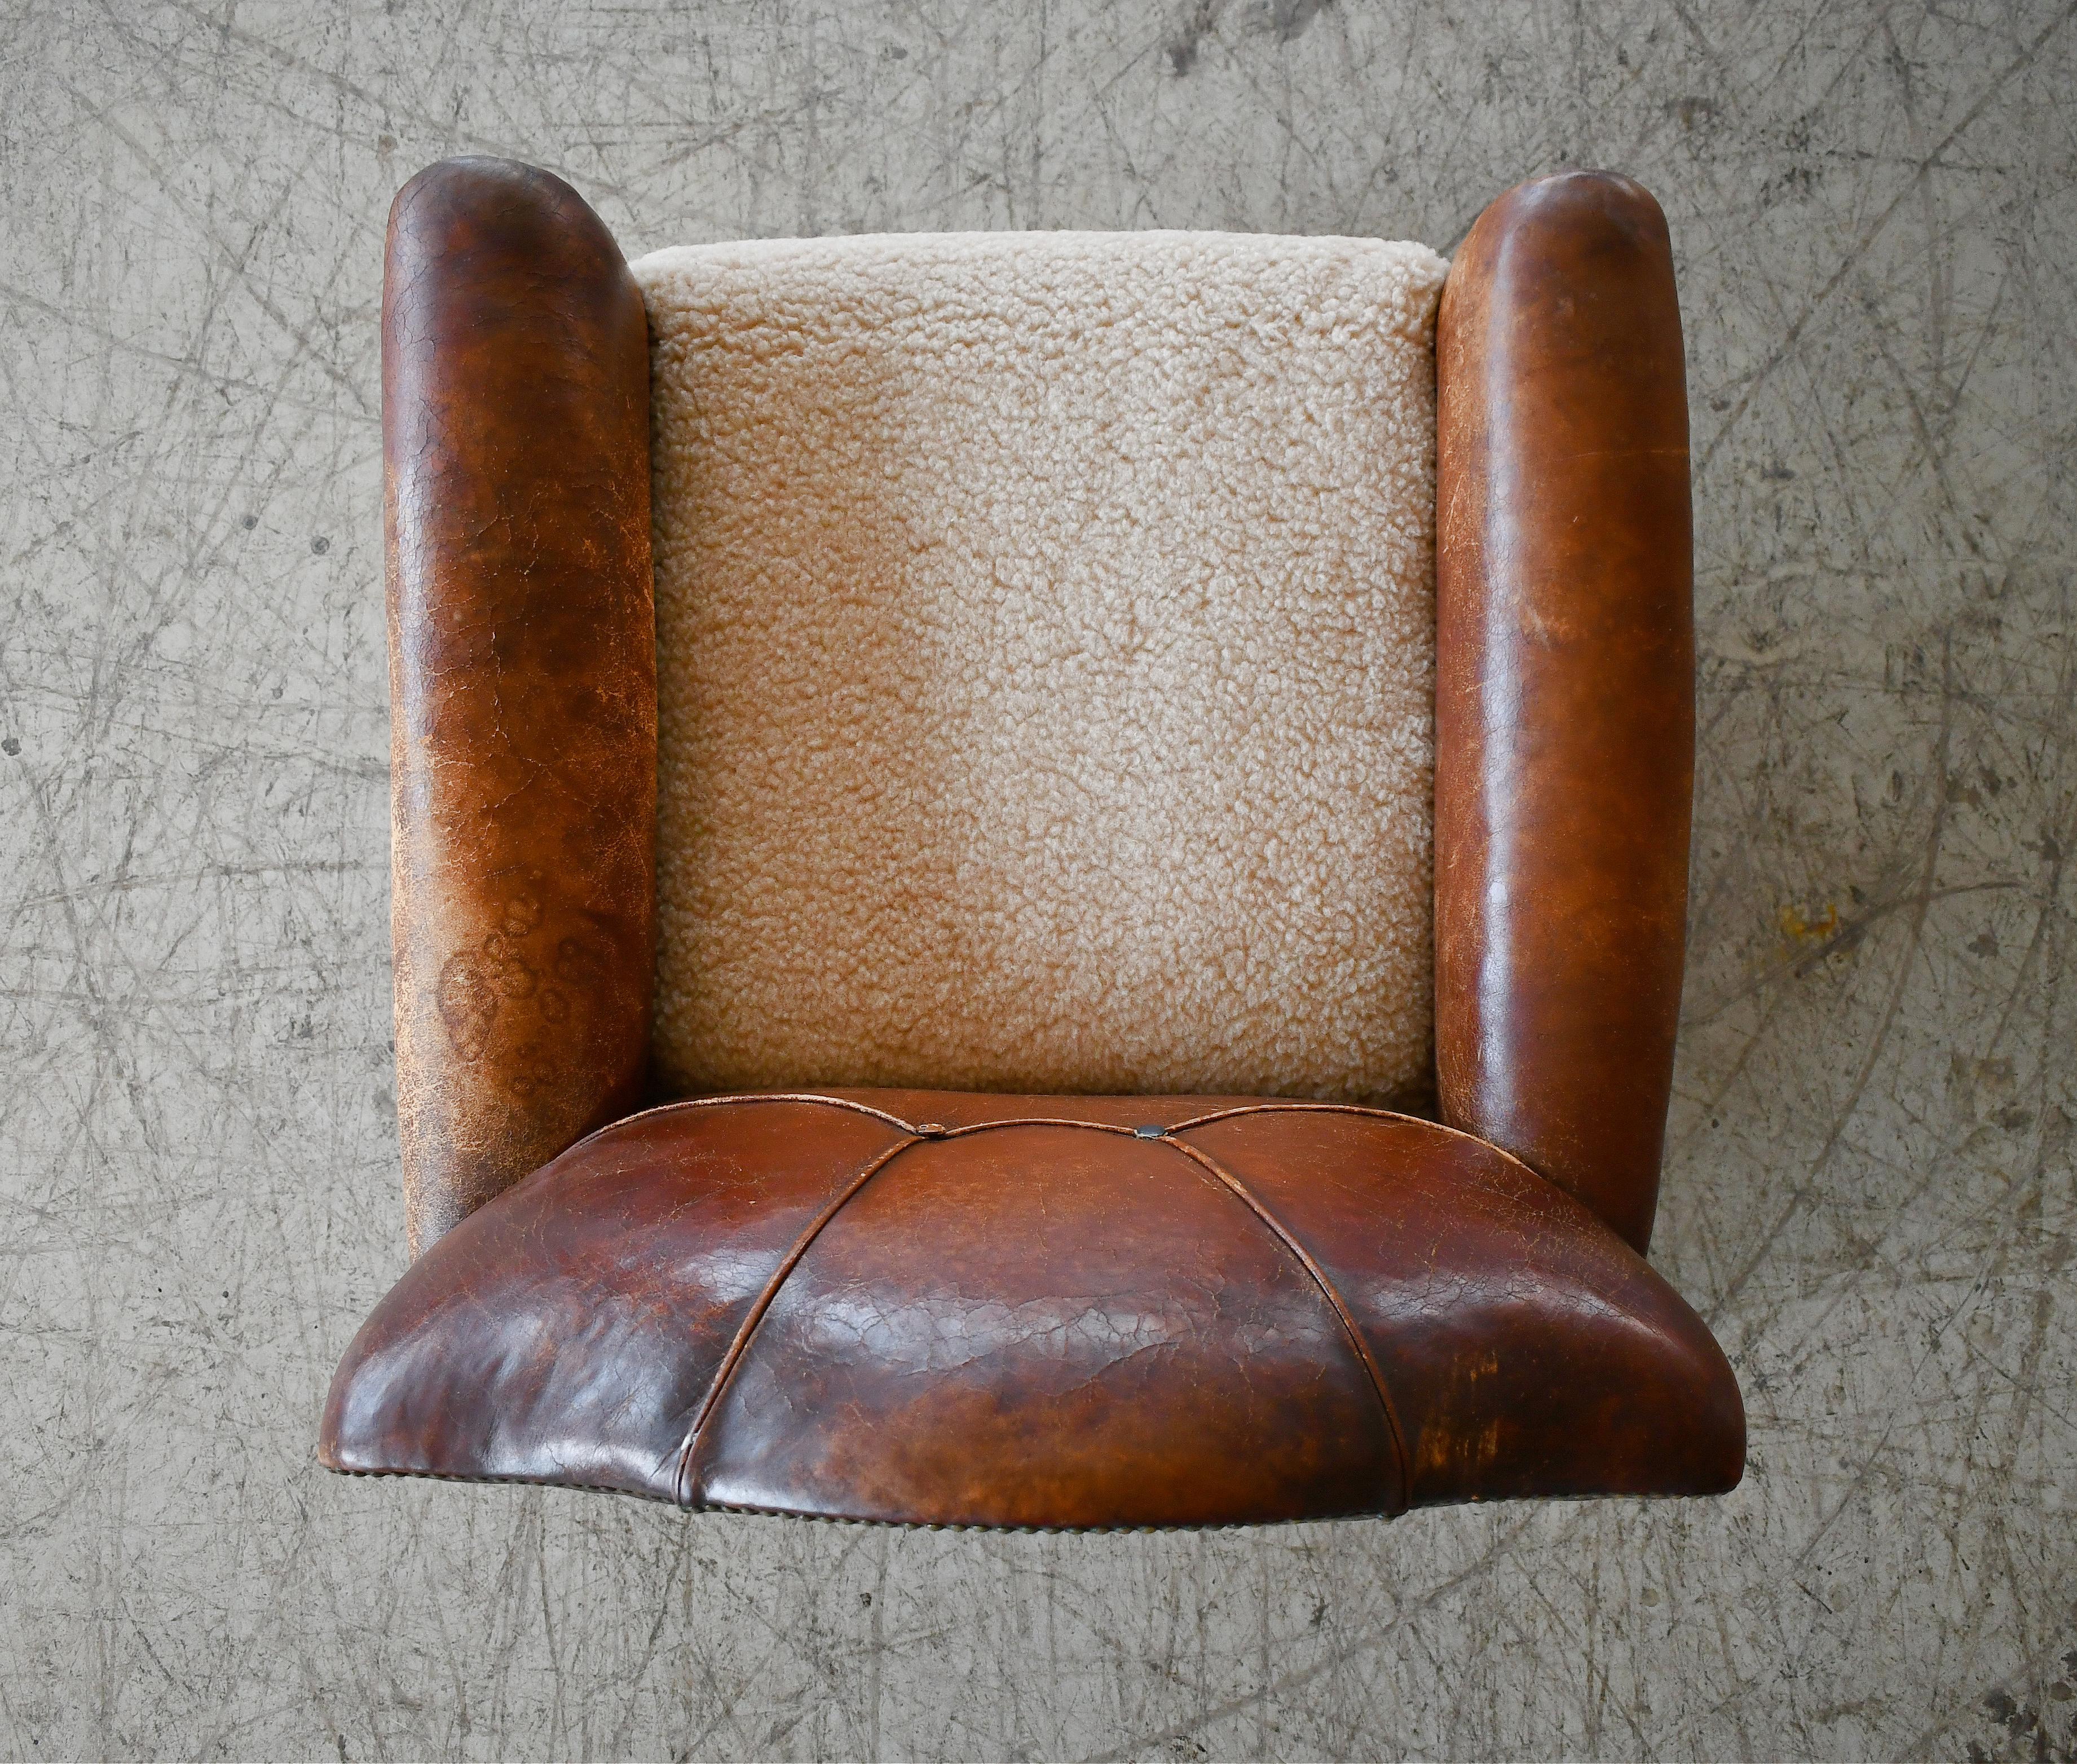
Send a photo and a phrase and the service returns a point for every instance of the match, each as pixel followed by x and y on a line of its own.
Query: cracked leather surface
pixel 515 411
pixel 1564 686
pixel 1870 1186
pixel 1016 1310
pixel 912 1306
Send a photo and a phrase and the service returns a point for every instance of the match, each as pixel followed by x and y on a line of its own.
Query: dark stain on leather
pixel 468 1005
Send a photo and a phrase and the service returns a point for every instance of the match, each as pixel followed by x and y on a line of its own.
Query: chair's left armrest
pixel 515 436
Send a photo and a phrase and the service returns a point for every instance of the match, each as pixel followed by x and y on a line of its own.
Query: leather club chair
pixel 953 1307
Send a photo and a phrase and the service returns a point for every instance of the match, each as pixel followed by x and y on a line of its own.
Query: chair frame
pixel 515 378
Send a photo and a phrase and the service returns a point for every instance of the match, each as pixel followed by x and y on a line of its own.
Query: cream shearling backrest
pixel 1046 658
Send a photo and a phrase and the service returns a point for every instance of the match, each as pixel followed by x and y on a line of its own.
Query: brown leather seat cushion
pixel 997 1310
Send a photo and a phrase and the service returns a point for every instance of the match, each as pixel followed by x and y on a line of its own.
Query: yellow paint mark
pixel 1798 926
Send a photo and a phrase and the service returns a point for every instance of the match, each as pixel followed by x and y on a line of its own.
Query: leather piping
pixel 1298 1252
pixel 747 1096
pixel 749 1328
pixel 1034 1120
pixel 1281 1106
pixel 930 1130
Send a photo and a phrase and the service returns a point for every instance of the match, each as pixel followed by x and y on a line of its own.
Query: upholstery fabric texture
pixel 1046 661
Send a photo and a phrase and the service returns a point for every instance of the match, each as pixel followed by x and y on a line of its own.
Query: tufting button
pixel 1149 1133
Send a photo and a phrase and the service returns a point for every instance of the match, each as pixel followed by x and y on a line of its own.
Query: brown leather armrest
pixel 515 414
pixel 1565 725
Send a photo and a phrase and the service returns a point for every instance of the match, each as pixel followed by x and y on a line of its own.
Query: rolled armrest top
pixel 1565 687
pixel 522 670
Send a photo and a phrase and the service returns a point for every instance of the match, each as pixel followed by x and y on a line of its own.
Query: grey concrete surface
pixel 1870 1189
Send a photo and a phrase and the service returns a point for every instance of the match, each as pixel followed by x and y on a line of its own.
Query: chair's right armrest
pixel 1565 687
pixel 515 437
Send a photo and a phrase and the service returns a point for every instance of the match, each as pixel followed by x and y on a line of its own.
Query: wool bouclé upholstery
pixel 1046 661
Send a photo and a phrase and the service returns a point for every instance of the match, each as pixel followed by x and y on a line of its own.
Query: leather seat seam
pixel 1296 1106
pixel 1267 1106
pixel 751 1510
pixel 747 1096
pixel 739 1349
pixel 1298 1252
pixel 1035 1121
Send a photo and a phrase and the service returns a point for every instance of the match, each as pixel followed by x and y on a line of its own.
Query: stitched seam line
pixel 1293 1106
pixel 1274 1105
pixel 1298 1252
pixel 748 1329
pixel 750 1096
pixel 1033 1120
pixel 483 1479
pixel 1270 1106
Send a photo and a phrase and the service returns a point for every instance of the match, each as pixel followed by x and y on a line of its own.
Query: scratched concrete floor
pixel 1870 1190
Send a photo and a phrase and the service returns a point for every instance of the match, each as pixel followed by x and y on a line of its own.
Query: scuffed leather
pixel 1014 1310
pixel 568 1332
pixel 515 397
pixel 1019 1310
pixel 1537 1354
pixel 1564 708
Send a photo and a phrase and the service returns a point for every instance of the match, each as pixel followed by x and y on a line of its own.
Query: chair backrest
pixel 1046 661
